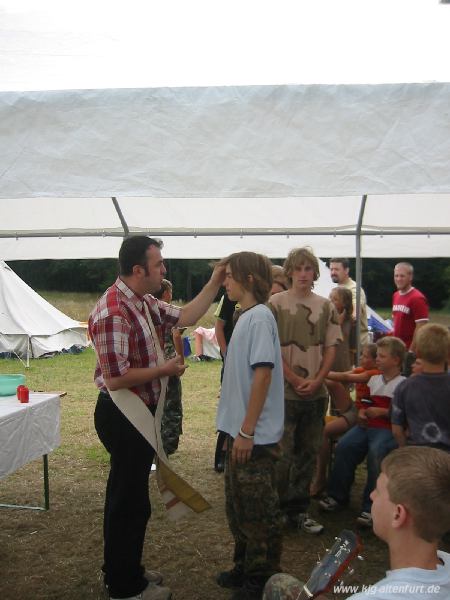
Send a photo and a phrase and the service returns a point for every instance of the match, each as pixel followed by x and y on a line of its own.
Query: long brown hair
pixel 246 264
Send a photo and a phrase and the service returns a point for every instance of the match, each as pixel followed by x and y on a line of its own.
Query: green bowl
pixel 9 383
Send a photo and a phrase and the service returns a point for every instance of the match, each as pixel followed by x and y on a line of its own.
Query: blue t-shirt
pixel 254 343
pixel 410 583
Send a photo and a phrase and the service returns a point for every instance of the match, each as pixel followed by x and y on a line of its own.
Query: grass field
pixel 437 316
pixel 79 305
pixel 58 554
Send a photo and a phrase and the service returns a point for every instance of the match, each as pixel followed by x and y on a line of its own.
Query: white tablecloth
pixel 27 431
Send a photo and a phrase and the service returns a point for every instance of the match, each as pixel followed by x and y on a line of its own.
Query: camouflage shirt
pixel 305 327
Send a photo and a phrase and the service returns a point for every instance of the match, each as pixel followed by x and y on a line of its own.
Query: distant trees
pixel 432 276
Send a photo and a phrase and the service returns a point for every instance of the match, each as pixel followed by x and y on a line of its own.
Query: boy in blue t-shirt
pixel 421 404
pixel 251 413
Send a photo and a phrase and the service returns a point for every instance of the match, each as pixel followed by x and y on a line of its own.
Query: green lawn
pixel 79 305
pixel 437 316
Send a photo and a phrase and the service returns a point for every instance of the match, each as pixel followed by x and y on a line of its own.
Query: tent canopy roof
pixel 208 148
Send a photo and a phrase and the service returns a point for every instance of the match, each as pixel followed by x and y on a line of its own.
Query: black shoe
pixel 251 590
pixel 231 579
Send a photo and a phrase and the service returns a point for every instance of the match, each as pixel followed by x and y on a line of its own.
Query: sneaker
pixel 365 519
pixel 151 592
pixel 309 525
pixel 329 504
pixel 231 579
pixel 153 577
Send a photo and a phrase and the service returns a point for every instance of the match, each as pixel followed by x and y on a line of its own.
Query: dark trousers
pixel 127 501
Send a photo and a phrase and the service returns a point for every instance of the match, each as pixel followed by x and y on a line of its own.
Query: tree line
pixel 432 277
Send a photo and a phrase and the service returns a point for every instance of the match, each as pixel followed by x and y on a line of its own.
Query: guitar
pixel 324 575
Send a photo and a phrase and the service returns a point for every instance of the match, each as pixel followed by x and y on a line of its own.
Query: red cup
pixel 23 394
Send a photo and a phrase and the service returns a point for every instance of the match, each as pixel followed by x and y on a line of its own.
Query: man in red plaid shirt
pixel 127 358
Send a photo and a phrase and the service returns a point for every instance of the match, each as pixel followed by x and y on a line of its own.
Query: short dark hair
pixel 419 478
pixel 344 262
pixel 133 252
pixel 243 264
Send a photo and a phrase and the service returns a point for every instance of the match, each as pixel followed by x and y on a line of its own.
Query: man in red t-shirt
pixel 409 306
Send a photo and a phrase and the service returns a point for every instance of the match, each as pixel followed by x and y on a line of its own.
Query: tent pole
pixel 359 275
pixel 126 229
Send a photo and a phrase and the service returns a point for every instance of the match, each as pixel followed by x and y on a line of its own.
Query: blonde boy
pixel 421 404
pixel 371 437
pixel 411 513
pixel 309 332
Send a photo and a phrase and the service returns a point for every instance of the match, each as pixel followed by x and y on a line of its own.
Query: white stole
pixel 178 496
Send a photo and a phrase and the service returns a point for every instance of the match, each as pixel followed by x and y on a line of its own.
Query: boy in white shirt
pixel 411 513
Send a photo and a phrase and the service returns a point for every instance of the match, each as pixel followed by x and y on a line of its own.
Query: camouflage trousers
pixel 253 511
pixel 303 426
pixel 171 422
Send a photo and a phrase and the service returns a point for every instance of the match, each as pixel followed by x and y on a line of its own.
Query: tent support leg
pixel 126 229
pixel 359 275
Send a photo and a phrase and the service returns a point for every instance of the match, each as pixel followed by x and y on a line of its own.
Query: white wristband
pixel 245 435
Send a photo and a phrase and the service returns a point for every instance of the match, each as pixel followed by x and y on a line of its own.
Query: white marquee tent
pixel 217 135
pixel 29 325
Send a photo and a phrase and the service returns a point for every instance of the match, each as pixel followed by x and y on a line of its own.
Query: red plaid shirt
pixel 121 336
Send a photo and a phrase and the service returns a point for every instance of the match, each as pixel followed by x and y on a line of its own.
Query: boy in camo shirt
pixel 251 413
pixel 309 331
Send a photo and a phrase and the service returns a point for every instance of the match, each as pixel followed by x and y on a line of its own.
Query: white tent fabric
pixel 29 325
pixel 211 227
pixel 222 142
pixel 215 156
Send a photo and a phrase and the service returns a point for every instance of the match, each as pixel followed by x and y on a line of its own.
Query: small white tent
pixel 29 325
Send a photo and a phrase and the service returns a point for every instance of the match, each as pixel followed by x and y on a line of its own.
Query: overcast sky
pixel 96 43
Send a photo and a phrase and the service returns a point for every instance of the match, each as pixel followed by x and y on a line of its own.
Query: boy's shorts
pixel 350 415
